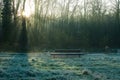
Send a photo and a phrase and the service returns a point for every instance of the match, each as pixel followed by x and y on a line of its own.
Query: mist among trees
pixel 59 24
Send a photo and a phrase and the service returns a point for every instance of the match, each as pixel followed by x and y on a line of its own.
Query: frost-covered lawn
pixel 41 66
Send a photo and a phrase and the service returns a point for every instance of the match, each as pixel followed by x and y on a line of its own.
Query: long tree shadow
pixel 16 66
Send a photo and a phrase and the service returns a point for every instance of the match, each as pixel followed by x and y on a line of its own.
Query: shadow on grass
pixel 15 66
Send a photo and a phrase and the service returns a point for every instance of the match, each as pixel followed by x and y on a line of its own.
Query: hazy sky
pixel 30 6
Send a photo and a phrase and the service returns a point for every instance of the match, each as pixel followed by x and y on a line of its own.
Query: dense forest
pixel 59 24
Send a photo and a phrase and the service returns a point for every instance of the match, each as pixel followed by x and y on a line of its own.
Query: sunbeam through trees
pixel 59 39
pixel 59 24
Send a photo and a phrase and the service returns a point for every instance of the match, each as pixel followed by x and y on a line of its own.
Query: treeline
pixel 65 24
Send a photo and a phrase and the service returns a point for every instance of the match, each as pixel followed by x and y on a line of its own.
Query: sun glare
pixel 29 8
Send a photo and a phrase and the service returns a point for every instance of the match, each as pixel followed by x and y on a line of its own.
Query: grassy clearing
pixel 43 67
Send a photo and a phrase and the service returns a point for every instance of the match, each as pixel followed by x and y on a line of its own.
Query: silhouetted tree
pixel 23 39
pixel 7 21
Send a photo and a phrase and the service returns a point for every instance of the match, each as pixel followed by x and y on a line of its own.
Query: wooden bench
pixel 67 50
pixel 66 53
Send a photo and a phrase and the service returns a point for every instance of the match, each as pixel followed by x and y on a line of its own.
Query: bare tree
pixel 117 10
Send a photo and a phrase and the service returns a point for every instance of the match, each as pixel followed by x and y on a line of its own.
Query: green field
pixel 41 66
